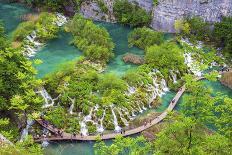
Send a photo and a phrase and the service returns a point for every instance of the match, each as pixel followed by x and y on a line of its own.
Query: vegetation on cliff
pixel 131 14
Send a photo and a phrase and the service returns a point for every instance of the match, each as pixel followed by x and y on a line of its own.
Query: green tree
pixel 131 14
pixel 131 146
pixel 145 37
pixel 222 33
pixel 166 57
pixel 93 40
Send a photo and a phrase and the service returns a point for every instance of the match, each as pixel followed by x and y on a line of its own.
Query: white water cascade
pixel 122 118
pixel 72 106
pixel 174 77
pixel 117 128
pixel 100 127
pixel 49 102
pixel 32 46
pixel 194 68
pixel 25 130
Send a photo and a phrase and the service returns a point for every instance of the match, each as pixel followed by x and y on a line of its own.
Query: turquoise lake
pixel 59 51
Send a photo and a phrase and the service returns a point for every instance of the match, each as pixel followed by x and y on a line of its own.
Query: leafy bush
pixel 166 57
pixel 223 35
pixel 44 26
pixel 145 37
pixel 93 40
pixel 131 14
pixel 23 30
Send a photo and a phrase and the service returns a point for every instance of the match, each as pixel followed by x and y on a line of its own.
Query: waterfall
pixel 122 118
pixel 100 127
pixel 194 68
pixel 45 143
pixel 174 78
pixel 131 90
pixel 47 98
pixel 84 130
pixel 61 20
pixel 25 130
pixel 82 123
pixel 117 128
pixel 71 108
pixel 72 105
pixel 164 85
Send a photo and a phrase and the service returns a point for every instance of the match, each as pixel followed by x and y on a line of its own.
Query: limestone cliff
pixel 165 14
pixel 167 11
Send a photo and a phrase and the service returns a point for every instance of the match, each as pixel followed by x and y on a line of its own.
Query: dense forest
pixel 82 98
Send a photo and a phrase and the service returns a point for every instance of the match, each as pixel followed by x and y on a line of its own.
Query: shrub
pixel 23 30
pixel 145 37
pixel 93 40
pixel 131 14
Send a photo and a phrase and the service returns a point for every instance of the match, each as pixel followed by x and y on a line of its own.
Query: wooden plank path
pixel 78 137
pixel 68 136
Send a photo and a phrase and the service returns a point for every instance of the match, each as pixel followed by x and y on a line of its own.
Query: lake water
pixel 59 51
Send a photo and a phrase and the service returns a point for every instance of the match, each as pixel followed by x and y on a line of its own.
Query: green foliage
pixel 183 135
pixel 23 30
pixel 27 147
pixel 111 81
pixel 17 92
pixel 223 35
pixel 199 29
pixel 44 26
pixel 155 2
pixel 102 6
pixel 145 37
pixel 3 41
pixel 56 116
pixel 166 57
pixel 122 145
pixel 131 14
pixel 93 40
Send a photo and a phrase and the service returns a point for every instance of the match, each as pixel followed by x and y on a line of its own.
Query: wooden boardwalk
pixel 68 136
pixel 162 116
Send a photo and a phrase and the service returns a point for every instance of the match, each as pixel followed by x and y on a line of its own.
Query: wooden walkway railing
pixel 68 136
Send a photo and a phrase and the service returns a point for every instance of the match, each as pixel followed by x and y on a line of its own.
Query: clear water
pixel 11 14
pixel 119 35
pixel 55 53
pixel 216 88
pixel 58 51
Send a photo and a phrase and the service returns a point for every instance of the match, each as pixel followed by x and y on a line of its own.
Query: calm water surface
pixel 59 51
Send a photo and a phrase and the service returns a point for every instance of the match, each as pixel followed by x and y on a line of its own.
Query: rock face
pixel 165 14
pixel 132 58
pixel 167 11
pixel 227 79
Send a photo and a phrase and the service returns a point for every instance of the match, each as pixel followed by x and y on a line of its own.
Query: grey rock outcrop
pixel 165 14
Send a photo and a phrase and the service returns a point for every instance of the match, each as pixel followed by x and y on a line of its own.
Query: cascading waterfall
pixel 174 77
pixel 164 85
pixel 100 127
pixel 72 105
pixel 88 118
pixel 31 47
pixel 47 98
pixel 122 118
pixel 25 130
pixel 131 90
pixel 117 128
pixel 194 68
